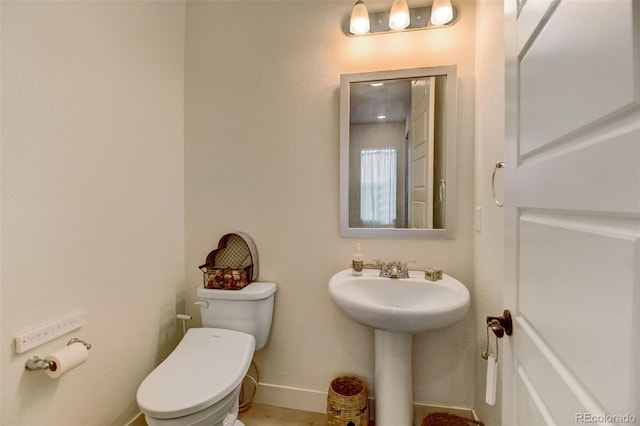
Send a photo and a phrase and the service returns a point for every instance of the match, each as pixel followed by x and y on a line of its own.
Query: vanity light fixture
pixel 400 17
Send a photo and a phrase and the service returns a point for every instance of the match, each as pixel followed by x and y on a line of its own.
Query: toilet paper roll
pixel 66 359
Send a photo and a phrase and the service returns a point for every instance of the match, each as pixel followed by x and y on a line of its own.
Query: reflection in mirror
pixel 398 153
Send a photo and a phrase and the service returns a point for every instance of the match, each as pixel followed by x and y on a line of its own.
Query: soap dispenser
pixel 357 261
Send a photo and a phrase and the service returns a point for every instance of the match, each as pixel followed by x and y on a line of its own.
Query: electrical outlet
pixel 49 331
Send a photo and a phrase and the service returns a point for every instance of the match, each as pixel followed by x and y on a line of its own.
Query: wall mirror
pixel 397 153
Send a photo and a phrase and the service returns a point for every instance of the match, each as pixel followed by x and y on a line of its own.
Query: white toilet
pixel 199 382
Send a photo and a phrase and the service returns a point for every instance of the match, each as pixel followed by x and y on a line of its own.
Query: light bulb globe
pixel 359 22
pixel 399 15
pixel 441 12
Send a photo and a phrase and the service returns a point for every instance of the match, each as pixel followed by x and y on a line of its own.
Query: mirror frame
pixel 450 155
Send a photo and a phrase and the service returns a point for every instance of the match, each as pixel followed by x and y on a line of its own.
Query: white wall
pixel 488 244
pixel 261 156
pixel 92 199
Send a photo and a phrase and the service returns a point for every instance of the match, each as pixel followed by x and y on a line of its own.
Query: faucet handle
pixel 404 269
pixel 384 272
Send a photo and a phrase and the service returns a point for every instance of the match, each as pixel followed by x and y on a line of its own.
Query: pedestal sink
pixel 397 309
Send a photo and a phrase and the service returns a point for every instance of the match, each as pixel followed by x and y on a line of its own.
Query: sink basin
pixel 407 305
pixel 397 309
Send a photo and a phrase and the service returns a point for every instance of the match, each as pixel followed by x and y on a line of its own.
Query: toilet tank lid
pixel 255 291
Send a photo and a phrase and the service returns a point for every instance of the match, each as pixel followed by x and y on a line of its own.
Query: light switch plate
pixel 478 219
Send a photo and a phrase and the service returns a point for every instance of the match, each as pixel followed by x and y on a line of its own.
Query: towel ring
pixel 499 165
pixel 442 190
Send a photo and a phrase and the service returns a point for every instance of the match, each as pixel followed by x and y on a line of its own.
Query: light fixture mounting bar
pixel 419 21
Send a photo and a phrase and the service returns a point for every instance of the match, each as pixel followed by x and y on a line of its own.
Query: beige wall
pixel 261 156
pixel 488 244
pixel 92 199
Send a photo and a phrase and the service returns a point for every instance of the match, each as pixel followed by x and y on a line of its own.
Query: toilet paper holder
pixel 35 363
pixel 499 326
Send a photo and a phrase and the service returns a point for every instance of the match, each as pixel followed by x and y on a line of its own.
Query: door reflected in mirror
pixel 398 153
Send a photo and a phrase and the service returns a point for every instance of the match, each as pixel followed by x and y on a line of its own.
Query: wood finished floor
pixel 266 415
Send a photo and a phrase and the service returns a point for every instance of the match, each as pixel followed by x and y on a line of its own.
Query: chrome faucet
pixel 393 273
pixel 390 270
pixel 394 270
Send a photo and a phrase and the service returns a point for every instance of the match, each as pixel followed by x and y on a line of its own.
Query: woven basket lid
pixel 235 250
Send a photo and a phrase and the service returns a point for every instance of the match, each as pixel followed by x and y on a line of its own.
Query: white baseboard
pixel 290 397
pixel 316 401
pixel 138 420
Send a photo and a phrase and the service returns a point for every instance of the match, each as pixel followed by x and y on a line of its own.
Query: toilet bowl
pixel 199 382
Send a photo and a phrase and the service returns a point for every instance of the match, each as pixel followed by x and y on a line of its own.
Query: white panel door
pixel 422 146
pixel 572 263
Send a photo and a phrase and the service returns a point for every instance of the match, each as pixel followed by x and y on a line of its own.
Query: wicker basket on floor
pixel 448 419
pixel 347 403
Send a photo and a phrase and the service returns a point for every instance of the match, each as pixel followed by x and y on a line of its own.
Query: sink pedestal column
pixel 393 379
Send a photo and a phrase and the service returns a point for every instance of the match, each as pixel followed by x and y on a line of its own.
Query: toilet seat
pixel 207 365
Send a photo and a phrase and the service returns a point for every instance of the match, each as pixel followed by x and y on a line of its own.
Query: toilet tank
pixel 249 310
